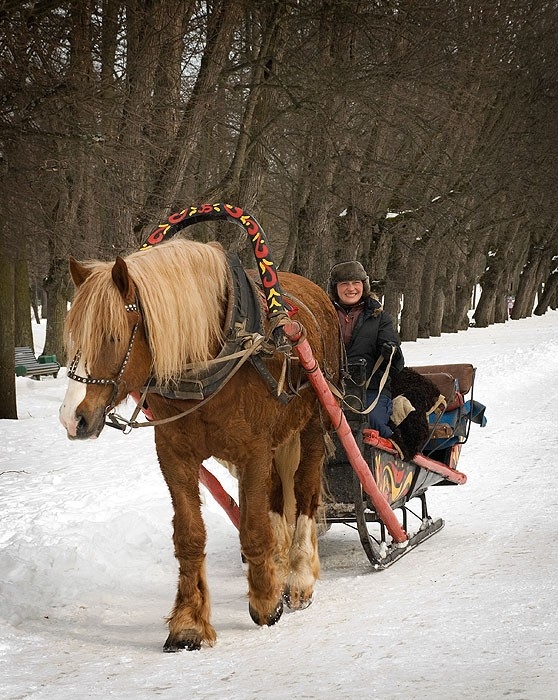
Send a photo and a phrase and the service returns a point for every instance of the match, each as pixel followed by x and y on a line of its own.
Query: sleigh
pixel 367 483
pixel 402 484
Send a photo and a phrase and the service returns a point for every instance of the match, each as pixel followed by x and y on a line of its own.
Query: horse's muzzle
pixel 83 427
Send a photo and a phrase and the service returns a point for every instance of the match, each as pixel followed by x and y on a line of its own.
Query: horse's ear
pixel 121 278
pixel 78 272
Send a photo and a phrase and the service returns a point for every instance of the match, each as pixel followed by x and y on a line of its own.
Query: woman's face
pixel 350 292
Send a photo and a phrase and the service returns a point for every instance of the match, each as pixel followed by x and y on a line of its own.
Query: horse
pixel 139 325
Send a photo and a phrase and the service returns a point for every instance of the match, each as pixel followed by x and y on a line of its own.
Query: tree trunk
pixel 469 269
pixel 463 304
pixel 506 250
pixel 410 313
pixel 8 406
pixel 392 302
pixel 550 287
pixel 447 281
pixel 432 294
pixel 436 273
pixel 528 283
pixel 438 310
pixel 56 287
pixel 23 330
pixel 490 295
pixel 402 234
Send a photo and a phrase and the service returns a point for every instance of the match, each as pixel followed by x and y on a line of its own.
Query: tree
pixel 8 408
pixel 418 137
pixel 23 334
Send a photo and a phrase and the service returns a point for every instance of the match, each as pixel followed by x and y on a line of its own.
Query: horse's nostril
pixel 81 427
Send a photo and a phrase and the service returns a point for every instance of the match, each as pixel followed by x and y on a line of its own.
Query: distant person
pixel 368 333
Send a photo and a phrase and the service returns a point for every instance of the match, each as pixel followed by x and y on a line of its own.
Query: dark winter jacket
pixel 372 329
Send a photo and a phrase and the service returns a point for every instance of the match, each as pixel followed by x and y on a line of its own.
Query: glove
pixel 387 349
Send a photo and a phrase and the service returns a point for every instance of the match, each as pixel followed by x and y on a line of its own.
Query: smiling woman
pixel 369 336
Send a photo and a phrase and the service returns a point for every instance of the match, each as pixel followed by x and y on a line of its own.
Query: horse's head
pixel 105 334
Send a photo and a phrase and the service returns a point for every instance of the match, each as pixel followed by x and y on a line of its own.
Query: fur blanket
pixel 410 427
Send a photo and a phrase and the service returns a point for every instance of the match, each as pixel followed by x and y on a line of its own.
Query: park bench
pixel 27 365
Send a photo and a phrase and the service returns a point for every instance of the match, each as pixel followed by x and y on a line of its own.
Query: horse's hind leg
pixel 304 563
pixel 283 502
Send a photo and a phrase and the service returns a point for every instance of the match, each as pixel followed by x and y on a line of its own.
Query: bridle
pixel 132 308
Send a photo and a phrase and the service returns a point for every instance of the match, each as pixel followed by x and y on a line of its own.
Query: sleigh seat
pixel 454 381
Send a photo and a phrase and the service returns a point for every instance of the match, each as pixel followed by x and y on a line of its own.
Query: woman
pixel 368 333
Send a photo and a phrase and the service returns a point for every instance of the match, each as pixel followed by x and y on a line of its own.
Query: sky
pixel 87 572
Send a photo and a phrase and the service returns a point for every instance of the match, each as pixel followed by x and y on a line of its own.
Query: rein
pixel 117 421
pixel 383 381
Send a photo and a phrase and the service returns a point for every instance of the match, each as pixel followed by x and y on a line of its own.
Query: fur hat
pixel 345 272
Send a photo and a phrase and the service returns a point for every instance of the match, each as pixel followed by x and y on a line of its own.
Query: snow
pixel 87 572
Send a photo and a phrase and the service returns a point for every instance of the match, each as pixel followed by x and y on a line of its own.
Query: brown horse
pixel 145 320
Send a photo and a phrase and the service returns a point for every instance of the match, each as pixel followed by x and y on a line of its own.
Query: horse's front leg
pixel 189 625
pixel 257 539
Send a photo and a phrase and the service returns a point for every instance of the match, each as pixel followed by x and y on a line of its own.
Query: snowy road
pixel 87 573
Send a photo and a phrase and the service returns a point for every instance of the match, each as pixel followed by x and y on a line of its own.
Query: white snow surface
pixel 87 571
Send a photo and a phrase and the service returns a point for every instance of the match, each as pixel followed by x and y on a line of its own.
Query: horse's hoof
pixel 299 602
pixel 272 619
pixel 191 642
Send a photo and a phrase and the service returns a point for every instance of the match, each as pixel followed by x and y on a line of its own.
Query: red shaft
pixel 450 474
pixel 211 482
pixel 227 502
pixel 294 332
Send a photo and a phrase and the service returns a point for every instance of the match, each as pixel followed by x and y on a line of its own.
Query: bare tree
pixel 419 138
pixel 8 408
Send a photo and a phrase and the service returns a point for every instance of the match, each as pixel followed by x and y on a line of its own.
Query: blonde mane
pixel 182 289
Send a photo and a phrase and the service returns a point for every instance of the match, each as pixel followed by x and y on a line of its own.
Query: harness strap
pixel 275 385
pixel 204 383
pixel 117 421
